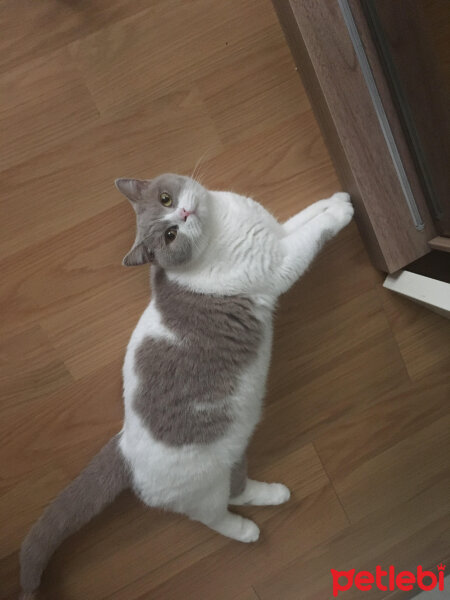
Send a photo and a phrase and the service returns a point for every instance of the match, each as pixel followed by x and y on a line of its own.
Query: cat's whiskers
pixel 196 172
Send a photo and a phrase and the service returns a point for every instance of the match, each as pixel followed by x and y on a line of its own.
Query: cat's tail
pixel 97 485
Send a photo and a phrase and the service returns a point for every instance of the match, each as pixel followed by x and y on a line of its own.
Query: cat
pixel 196 365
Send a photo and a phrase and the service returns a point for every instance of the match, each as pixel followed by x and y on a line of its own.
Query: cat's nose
pixel 185 213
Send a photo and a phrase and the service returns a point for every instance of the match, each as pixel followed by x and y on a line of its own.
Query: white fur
pixel 242 249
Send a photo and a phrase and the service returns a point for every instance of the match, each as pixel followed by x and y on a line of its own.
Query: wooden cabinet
pixel 342 68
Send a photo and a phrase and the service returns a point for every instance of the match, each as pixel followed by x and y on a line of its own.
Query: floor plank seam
pixel 255 592
pixel 379 291
pixel 332 485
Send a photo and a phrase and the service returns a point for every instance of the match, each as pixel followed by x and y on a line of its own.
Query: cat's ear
pixel 133 189
pixel 138 255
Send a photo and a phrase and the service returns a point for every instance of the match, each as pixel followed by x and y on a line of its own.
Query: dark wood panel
pixel 413 40
pixel 326 60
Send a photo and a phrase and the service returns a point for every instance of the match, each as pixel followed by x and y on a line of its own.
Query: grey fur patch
pixel 183 385
pixel 238 477
pixel 149 245
pixel 97 485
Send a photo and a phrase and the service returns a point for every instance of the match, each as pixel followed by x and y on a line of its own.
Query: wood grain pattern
pixel 247 595
pixel 404 536
pixel 359 384
pixel 424 353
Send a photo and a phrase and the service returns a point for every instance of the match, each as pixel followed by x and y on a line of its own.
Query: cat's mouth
pixel 185 214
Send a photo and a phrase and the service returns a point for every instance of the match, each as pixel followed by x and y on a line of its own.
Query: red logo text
pixel 387 580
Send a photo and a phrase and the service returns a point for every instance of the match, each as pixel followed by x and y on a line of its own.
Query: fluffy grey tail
pixel 96 487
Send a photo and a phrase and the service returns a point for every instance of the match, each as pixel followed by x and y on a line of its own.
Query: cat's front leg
pixel 300 219
pixel 301 246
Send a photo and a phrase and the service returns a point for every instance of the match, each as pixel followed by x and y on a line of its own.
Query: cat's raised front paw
pixel 341 197
pixel 341 208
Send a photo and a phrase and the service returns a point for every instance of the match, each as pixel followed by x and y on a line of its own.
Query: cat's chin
pixel 193 227
pixel 192 218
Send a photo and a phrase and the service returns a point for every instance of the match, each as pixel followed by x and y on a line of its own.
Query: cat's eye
pixel 170 234
pixel 166 199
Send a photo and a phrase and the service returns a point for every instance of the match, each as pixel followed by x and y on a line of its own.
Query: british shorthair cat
pixel 196 365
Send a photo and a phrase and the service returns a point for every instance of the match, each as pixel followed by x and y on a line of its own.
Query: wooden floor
pixel 357 420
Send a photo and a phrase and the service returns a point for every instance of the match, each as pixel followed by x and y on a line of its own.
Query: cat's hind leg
pixel 235 527
pixel 212 511
pixel 259 493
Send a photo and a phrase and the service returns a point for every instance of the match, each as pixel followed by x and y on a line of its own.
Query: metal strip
pixel 380 112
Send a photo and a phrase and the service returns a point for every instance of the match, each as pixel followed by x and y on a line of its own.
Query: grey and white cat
pixel 196 364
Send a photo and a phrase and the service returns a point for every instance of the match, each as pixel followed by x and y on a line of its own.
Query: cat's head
pixel 171 215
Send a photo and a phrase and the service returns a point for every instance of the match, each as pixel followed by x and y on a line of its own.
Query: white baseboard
pixel 432 293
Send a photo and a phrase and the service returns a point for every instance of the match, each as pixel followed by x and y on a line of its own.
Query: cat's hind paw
pixel 237 528
pixel 249 532
pixel 259 493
